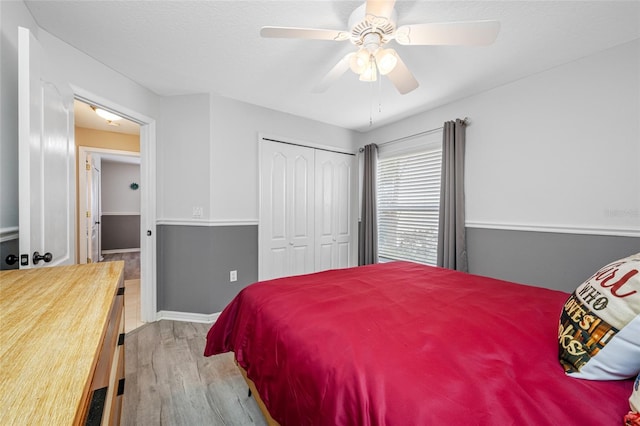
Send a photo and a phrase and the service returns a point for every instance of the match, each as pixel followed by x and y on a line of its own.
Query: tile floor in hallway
pixel 132 305
pixel 132 287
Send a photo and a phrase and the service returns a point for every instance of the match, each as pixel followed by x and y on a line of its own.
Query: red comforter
pixel 407 344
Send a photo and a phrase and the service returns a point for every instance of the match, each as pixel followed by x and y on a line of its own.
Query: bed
pixel 406 344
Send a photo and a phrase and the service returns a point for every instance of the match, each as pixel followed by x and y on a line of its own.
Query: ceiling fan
pixel 372 26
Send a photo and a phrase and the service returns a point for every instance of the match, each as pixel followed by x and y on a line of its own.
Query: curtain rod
pixel 426 132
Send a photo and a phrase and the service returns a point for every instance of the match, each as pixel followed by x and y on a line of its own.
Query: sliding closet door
pixel 335 210
pixel 286 210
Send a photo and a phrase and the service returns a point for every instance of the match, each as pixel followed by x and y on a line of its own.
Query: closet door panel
pixel 302 212
pixel 344 211
pixel 277 197
pixel 324 197
pixel 286 210
pixel 324 205
pixel 301 192
pixel 325 257
pixel 300 257
pixel 274 243
pixel 343 255
pixel 335 180
pixel 343 195
pixel 277 263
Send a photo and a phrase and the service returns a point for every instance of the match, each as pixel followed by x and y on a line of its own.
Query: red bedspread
pixel 407 344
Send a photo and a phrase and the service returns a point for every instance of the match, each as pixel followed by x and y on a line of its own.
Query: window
pixel 408 202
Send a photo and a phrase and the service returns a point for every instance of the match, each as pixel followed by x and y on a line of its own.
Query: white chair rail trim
pixel 8 234
pixel 207 222
pixel 560 229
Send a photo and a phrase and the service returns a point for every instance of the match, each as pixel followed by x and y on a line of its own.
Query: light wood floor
pixel 169 382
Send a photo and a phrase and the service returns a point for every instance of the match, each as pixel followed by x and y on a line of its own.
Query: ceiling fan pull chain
pixel 371 104
pixel 380 94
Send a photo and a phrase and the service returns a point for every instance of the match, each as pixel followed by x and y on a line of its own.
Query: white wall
pixel 234 152
pixel 116 194
pixel 12 15
pixel 183 174
pixel 559 149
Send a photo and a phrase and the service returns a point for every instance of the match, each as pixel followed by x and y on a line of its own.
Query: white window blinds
pixel 408 204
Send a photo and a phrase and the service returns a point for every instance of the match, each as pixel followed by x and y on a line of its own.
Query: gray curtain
pixel 452 244
pixel 368 232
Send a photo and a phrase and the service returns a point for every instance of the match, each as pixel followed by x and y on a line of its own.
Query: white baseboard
pixel 131 250
pixel 188 316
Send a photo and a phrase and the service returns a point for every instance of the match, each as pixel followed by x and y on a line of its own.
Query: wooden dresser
pixel 62 345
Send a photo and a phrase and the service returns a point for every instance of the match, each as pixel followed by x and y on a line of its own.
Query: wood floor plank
pixel 170 382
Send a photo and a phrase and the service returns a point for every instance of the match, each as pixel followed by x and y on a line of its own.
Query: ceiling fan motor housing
pixel 370 29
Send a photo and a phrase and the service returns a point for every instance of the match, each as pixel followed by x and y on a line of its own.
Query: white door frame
pixel 148 282
pixel 83 152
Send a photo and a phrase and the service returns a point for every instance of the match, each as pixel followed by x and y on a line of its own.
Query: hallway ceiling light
pixel 109 116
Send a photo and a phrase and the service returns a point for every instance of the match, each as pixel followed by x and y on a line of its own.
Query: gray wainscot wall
pixel 193 265
pixel 559 261
pixel 120 232
pixel 6 248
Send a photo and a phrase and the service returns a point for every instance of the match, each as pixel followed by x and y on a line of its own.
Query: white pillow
pixel 599 332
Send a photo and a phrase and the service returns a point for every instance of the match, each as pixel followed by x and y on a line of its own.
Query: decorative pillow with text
pixel 599 332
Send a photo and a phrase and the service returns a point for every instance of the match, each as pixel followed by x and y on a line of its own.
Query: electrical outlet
pixel 197 212
pixel 233 276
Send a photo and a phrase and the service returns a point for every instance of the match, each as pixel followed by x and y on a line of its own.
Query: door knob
pixel 37 257
pixel 11 259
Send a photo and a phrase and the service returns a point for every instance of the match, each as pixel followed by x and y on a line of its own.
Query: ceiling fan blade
pixel 380 8
pixel 336 72
pixel 402 78
pixel 470 33
pixel 306 33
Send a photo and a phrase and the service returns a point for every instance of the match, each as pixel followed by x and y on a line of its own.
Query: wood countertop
pixel 52 323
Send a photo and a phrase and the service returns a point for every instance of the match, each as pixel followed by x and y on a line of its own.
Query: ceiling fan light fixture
pixel 370 73
pixel 359 62
pixel 109 116
pixel 386 59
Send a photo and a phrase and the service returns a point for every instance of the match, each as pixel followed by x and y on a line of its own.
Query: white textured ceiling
pixel 185 47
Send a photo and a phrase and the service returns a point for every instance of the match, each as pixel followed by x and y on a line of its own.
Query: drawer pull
pixel 120 387
pixel 96 408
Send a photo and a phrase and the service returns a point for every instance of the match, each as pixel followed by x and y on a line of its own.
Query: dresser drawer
pixel 107 385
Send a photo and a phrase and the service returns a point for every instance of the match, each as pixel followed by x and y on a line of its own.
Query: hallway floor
pixel 132 288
